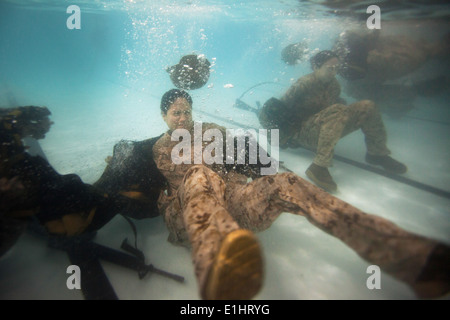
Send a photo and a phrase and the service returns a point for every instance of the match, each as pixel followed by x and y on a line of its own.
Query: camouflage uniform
pixel 323 121
pixel 204 203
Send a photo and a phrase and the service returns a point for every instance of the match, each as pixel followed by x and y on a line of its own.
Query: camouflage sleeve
pixel 301 94
pixel 335 92
pixel 294 95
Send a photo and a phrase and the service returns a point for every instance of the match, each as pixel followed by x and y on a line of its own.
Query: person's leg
pixel 321 133
pixel 422 263
pixel 227 259
pixel 365 115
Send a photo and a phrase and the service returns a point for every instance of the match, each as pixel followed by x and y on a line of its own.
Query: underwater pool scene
pixel 102 71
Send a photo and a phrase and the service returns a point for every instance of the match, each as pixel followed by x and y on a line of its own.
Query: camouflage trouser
pixel 205 210
pixel 323 130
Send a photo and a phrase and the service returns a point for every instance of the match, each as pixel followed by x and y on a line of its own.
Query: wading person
pixel 214 210
pixel 311 114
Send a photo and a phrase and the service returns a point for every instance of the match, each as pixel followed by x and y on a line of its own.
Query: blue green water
pixel 109 75
pixel 103 83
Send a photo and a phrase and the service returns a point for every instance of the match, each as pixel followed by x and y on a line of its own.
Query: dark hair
pixel 170 96
pixel 320 58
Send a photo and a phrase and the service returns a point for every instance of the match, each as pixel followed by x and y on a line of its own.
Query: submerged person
pixel 311 114
pixel 373 63
pixel 31 190
pixel 214 210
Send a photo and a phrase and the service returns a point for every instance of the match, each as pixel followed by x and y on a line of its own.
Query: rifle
pixel 244 106
pixel 86 254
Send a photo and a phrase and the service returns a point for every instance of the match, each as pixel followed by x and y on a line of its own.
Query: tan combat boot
pixel 321 177
pixel 237 272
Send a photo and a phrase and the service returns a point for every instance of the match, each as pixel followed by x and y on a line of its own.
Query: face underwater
pixel 179 115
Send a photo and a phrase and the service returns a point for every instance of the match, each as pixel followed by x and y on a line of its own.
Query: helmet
pixel 192 72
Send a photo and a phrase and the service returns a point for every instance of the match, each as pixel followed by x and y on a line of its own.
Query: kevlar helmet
pixel 192 72
pixel 294 53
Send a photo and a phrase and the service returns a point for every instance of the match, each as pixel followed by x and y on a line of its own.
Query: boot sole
pixel 321 184
pixel 237 273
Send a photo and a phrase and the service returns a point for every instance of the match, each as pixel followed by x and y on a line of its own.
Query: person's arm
pixel 295 94
pixel 335 92
pixel 302 98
